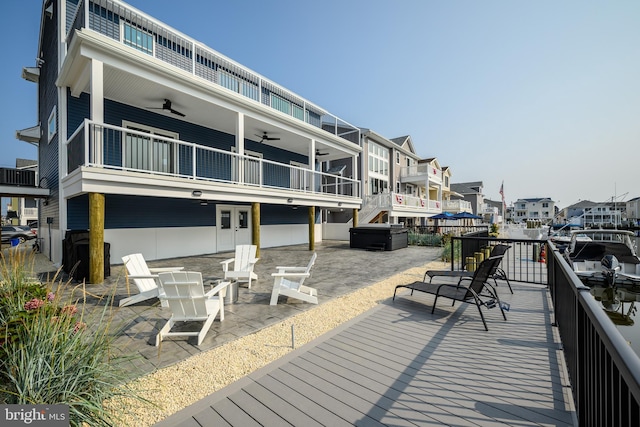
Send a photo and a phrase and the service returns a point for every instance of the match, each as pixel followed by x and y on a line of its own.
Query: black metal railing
pixel 523 262
pixel 17 177
pixel 454 230
pixel 603 369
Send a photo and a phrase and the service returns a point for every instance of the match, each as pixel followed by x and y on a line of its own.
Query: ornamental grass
pixel 52 350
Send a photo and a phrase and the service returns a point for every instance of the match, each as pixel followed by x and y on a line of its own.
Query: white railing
pixel 103 145
pixel 148 35
pixel 399 199
pixel 372 205
pixel 30 212
pixel 432 172
pixel 456 206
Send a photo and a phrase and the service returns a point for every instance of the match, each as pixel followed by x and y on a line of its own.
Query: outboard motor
pixel 610 268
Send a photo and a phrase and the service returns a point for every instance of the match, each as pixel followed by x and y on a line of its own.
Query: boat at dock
pixel 604 257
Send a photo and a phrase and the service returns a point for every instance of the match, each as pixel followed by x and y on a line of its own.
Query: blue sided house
pixel 158 144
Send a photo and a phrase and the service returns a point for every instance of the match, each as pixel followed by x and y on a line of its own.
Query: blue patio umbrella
pixel 443 215
pixel 465 215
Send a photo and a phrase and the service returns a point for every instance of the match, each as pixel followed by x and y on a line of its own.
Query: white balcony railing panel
pixel 107 146
pixel 429 172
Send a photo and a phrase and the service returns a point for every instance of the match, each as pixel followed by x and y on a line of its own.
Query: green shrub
pixel 425 239
pixel 52 352
pixel 446 249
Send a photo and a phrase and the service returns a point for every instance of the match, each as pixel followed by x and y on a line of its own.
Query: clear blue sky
pixel 543 95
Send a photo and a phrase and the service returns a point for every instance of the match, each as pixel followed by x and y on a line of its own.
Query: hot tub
pixel 385 237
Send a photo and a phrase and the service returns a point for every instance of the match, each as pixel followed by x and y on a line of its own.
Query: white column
pixel 354 167
pixel 97 108
pixel 312 165
pixel 240 133
pixel 240 146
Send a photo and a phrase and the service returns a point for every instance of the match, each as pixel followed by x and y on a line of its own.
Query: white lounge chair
pixel 143 277
pixel 185 295
pixel 288 281
pixel 243 264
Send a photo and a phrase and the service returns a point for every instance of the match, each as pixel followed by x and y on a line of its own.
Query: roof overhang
pixel 15 191
pixel 30 135
pixel 31 74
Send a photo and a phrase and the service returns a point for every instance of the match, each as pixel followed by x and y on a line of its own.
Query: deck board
pixel 401 365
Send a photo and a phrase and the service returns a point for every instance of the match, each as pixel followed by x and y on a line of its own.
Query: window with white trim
pixel 52 124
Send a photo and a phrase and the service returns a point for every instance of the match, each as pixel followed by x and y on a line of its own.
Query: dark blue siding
pixel 281 214
pixel 47 101
pixel 153 212
pixel 142 212
pixel 78 109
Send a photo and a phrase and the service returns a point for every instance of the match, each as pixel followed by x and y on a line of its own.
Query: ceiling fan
pixel 318 153
pixel 265 137
pixel 167 106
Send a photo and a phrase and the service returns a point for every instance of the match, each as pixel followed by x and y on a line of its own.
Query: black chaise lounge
pixel 497 274
pixel 472 293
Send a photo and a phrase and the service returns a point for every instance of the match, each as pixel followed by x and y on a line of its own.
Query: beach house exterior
pixel 541 209
pixel 471 193
pixel 156 143
pixel 398 185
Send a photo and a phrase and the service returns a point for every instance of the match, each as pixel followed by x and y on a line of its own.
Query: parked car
pixel 20 232
pixel 34 227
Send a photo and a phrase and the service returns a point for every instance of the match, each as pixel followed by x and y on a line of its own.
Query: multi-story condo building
pixel 156 143
pixel 535 209
pixel 398 186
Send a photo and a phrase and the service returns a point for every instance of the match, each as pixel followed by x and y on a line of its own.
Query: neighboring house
pixel 452 202
pixel 492 211
pixel 534 209
pixel 158 144
pixel 470 192
pixel 398 186
pixel 592 214
pixel 573 214
pixel 632 208
pixel 24 210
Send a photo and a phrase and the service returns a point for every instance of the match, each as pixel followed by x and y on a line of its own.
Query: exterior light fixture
pixel 196 193
pixel 204 203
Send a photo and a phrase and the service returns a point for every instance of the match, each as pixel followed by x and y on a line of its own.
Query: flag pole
pixel 504 218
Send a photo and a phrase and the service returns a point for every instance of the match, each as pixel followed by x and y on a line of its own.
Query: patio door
pixel 141 151
pixel 233 224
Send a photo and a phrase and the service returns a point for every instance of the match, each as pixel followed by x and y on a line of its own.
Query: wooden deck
pixel 399 365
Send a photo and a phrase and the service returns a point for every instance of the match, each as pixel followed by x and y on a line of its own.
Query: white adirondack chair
pixel 288 281
pixel 143 277
pixel 243 264
pixel 185 295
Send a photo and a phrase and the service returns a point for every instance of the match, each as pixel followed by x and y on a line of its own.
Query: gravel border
pixel 183 384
